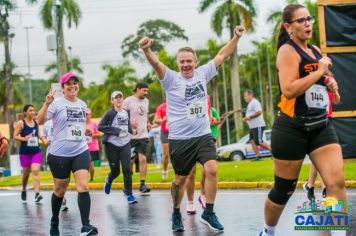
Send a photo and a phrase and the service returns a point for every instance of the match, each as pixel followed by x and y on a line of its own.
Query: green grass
pixel 228 171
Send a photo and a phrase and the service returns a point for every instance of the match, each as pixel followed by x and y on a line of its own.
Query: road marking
pixel 8 194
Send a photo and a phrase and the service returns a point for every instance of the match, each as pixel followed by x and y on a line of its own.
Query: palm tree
pixel 229 14
pixel 72 65
pixel 68 8
pixel 9 110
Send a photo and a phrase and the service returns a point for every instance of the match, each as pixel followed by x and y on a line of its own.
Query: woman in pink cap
pixel 69 150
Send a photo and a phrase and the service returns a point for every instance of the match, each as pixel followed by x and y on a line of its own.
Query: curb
pixel 221 185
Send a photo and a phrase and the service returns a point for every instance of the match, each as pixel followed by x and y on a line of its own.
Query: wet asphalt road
pixel 240 211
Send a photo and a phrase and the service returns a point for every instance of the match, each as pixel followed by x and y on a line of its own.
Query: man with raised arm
pixel 190 139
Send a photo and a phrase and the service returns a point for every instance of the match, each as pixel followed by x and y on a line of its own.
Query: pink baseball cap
pixel 67 76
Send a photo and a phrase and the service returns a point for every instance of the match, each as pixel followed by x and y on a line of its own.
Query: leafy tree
pixel 228 14
pixel 161 31
pixel 68 8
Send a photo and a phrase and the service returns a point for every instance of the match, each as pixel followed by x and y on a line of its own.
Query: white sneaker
pixel 164 175
pixel 191 209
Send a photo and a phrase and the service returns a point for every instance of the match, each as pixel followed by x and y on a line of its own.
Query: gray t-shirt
pixel 120 121
pixel 253 107
pixel 68 127
pixel 187 102
pixel 138 109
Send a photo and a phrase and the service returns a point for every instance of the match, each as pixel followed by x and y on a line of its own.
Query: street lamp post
pixel 27 28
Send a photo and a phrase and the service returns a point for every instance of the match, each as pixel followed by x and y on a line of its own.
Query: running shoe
pixel 265 232
pixel 164 175
pixel 177 223
pixel 323 193
pixel 23 195
pixel 54 231
pixel 64 205
pixel 310 191
pixel 201 200
pixel 88 230
pixel 131 199
pixel 257 158
pixel 38 198
pixel 191 209
pixel 107 186
pixel 144 189
pixel 211 220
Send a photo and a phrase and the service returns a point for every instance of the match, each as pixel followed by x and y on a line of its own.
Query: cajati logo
pixel 324 214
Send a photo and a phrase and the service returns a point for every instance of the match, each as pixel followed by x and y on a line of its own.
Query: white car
pixel 243 149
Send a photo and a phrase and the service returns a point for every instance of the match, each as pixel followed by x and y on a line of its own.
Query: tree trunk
pixel 61 51
pixel 10 107
pixel 235 91
pixel 62 55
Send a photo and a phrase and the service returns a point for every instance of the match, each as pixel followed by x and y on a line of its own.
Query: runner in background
pixel 3 145
pixel 161 118
pixel 30 152
pixel 93 143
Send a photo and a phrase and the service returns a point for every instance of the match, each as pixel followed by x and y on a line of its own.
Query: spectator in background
pixel 3 145
pixel 155 133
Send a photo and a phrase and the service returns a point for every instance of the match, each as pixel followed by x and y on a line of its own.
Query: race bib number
pixel 196 110
pixel 75 133
pixel 317 97
pixel 32 142
pixel 88 139
pixel 124 131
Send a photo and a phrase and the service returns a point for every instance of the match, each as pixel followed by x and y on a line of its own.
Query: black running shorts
pixel 164 137
pixel 256 135
pixel 140 145
pixel 185 153
pixel 290 142
pixel 62 166
pixel 95 155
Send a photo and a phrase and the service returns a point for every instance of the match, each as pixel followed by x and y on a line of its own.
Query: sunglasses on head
pixel 302 20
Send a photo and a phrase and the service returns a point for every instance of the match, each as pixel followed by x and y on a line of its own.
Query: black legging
pixel 116 155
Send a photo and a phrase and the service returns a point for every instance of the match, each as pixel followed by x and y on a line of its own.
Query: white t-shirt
pixel 68 127
pixel 187 108
pixel 138 109
pixel 253 107
pixel 47 130
pixel 121 121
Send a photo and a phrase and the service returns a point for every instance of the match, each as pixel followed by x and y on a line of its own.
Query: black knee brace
pixel 282 190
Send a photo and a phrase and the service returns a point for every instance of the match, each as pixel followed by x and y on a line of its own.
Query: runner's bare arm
pixel 230 47
pixel 288 63
pixel 42 113
pixel 145 44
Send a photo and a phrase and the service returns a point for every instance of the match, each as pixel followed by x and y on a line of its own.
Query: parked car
pixel 243 149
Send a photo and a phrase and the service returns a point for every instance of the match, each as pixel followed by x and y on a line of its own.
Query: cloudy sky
pixel 105 23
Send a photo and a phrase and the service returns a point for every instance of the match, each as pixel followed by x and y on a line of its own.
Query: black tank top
pixel 307 66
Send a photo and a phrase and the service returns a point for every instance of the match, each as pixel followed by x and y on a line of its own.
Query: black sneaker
pixel 211 220
pixel 177 223
pixel 38 198
pixel 54 231
pixel 88 230
pixel 257 158
pixel 144 189
pixel 23 195
pixel 310 192
pixel 324 193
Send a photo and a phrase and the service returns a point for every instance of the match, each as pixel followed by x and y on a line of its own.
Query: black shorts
pixel 290 142
pixel 164 137
pixel 185 153
pixel 256 135
pixel 95 155
pixel 62 166
pixel 139 145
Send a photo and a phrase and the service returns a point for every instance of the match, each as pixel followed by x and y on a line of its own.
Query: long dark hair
pixel 287 16
pixel 26 107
